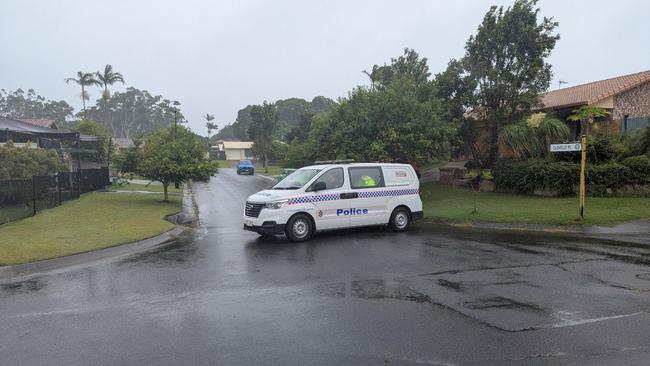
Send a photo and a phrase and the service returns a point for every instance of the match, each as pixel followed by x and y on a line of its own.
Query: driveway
pixel 220 295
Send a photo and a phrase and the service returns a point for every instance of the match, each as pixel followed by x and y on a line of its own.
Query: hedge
pixel 563 177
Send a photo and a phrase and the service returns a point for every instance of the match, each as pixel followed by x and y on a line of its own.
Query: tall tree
pixel 106 78
pixel 208 123
pixel 264 121
pixel 506 60
pixel 396 119
pixel 21 104
pixel 83 79
pixel 135 112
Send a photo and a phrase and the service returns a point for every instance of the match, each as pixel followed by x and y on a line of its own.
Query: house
pixel 626 97
pixel 41 122
pixel 123 143
pixel 234 150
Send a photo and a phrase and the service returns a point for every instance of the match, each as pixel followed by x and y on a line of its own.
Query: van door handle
pixel 349 195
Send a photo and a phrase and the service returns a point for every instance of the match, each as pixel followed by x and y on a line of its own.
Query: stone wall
pixel 633 103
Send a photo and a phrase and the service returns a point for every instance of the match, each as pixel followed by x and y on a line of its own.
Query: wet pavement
pixel 432 296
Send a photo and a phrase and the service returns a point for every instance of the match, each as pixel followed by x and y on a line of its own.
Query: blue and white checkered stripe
pixel 363 194
pixel 391 192
pixel 316 198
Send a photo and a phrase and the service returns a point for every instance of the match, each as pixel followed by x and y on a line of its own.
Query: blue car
pixel 245 167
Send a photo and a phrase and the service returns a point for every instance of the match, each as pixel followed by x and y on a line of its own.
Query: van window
pixel 332 178
pixel 397 176
pixel 366 177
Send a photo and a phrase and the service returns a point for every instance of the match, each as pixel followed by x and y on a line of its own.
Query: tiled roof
pixel 593 92
pixel 42 122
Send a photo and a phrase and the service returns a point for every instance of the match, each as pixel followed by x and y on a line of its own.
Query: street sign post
pixel 577 146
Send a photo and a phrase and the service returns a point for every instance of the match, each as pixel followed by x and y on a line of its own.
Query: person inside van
pixel 365 181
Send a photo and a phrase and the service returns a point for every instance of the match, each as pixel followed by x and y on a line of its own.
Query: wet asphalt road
pixel 220 295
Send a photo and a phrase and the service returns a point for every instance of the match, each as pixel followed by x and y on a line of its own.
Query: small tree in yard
pixel 174 156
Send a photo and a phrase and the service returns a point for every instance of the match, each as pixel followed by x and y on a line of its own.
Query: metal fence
pixel 20 198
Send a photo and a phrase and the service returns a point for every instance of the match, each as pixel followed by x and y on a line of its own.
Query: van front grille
pixel 253 209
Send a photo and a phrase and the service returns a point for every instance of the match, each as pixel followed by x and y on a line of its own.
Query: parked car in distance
pixel 245 167
pixel 336 196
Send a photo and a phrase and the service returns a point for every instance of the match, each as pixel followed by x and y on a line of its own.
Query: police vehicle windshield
pixel 297 179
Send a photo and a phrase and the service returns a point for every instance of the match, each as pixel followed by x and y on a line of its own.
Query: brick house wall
pixel 633 103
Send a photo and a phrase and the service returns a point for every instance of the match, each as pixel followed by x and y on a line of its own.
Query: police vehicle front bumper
pixel 267 228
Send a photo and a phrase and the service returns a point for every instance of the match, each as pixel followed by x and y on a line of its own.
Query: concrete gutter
pixel 184 220
pixel 637 232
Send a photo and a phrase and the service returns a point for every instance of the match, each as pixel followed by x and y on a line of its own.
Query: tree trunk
pixel 494 143
pixel 265 160
pixel 165 185
pixel 83 100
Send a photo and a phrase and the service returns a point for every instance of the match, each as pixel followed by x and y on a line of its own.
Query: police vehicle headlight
pixel 276 204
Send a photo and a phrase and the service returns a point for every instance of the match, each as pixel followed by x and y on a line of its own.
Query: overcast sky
pixel 217 56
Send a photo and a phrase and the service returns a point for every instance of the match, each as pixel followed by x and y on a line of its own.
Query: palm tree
pixel 84 79
pixel 586 116
pixel 209 125
pixel 106 78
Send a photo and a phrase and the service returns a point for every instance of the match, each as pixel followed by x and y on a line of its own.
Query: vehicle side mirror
pixel 319 186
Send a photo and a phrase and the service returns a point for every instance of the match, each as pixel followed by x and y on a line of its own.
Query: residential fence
pixel 20 198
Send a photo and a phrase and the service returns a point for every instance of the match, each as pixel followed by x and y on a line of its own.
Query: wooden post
pixel 583 188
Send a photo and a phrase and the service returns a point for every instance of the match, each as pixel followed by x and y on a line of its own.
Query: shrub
pixel 563 177
pixel 526 177
pixel 639 168
pixel 599 150
pixel 600 178
pixel 23 162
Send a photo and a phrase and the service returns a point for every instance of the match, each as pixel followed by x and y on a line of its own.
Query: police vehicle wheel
pixel 400 219
pixel 298 228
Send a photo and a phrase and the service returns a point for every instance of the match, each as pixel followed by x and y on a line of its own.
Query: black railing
pixel 20 198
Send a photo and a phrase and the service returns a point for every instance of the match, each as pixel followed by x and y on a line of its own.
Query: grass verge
pixel 455 204
pixel 96 220
pixel 158 188
pixel 271 170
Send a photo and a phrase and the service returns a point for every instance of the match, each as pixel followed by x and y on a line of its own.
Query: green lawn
pixel 96 220
pixel 143 187
pixel 455 204
pixel 271 170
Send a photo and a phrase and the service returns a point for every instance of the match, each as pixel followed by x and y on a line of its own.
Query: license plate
pixel 248 222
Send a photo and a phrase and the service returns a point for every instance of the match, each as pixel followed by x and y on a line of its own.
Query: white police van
pixel 336 195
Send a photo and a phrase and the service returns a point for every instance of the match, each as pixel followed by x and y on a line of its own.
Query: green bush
pixel 602 177
pixel 564 177
pixel 23 162
pixel 639 168
pixel 526 177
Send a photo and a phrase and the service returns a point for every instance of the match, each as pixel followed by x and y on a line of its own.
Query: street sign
pixel 573 146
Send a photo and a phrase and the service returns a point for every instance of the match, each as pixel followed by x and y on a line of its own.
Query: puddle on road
pixel 22 287
pixel 374 289
pixel 502 303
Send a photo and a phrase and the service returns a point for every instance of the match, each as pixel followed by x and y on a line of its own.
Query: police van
pixel 335 195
